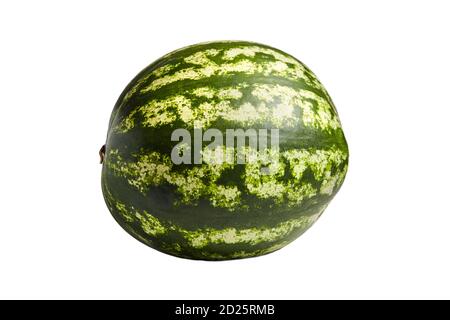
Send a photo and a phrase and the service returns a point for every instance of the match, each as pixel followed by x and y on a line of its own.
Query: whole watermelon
pixel 222 150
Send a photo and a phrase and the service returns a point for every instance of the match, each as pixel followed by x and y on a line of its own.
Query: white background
pixel 386 65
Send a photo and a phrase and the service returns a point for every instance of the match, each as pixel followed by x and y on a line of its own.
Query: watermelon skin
pixel 222 211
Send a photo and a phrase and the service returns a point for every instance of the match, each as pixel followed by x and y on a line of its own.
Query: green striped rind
pixel 211 64
pixel 244 105
pixel 194 183
pixel 207 243
pixel 220 211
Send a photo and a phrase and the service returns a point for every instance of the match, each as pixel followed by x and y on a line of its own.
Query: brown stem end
pixel 102 154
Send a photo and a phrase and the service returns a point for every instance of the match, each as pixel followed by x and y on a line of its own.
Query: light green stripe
pixel 200 238
pixel 154 169
pixel 157 73
pixel 149 224
pixel 197 73
pixel 252 236
pixel 251 51
pixel 315 111
pixel 204 67
pixel 244 254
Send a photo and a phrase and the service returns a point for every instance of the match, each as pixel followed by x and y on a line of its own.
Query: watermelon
pixel 222 150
